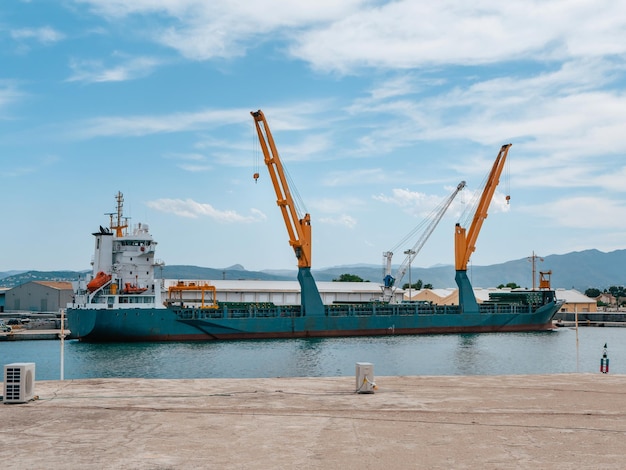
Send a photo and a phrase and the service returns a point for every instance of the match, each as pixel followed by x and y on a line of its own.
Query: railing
pixel 270 310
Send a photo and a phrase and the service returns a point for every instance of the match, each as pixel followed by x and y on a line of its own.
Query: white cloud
pixel 298 116
pixel 407 198
pixel 584 212
pixel 191 162
pixel 336 206
pixel 560 111
pixel 146 125
pixel 28 166
pixel 408 34
pixel 201 30
pixel 342 220
pixel 194 168
pixel 192 209
pixel 422 205
pixel 44 35
pixel 345 36
pixel 9 94
pixel 355 177
pixel 94 71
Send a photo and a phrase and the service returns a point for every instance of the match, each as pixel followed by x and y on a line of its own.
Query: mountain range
pixel 577 270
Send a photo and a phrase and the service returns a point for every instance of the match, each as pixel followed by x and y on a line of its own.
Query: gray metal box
pixel 365 377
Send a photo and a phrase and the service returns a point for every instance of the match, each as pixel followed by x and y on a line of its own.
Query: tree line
pixel 354 278
pixel 619 292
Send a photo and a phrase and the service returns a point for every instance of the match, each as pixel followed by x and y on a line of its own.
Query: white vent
pixel 19 382
pixel 365 377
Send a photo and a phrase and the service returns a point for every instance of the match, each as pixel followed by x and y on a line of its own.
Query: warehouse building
pixel 288 292
pixel 38 296
pixel 575 301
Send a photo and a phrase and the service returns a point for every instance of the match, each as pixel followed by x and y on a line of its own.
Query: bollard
pixel 604 362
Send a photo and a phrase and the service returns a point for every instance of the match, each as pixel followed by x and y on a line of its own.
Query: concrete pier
pixel 487 422
pixel 22 334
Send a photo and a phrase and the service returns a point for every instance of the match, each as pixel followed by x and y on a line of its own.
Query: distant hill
pixel 234 272
pixel 23 277
pixel 578 270
pixel 167 272
pixel 9 273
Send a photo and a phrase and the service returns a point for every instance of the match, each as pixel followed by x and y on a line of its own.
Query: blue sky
pixel 379 109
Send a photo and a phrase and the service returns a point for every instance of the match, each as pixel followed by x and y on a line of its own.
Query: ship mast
pixel 119 226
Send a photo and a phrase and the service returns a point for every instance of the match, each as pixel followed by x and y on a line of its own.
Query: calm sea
pixel 479 354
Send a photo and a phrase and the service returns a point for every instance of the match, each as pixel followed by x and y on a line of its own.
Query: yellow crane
pixel 298 228
pixel 465 240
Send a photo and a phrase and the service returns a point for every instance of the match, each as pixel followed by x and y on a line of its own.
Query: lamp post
pixel 410 254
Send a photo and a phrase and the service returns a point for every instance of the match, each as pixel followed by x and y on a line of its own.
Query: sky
pixel 378 110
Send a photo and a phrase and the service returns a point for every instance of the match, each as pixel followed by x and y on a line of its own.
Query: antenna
pixel 533 259
pixel 119 226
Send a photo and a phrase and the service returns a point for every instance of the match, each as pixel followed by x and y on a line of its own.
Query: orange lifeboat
pixel 97 282
pixel 133 289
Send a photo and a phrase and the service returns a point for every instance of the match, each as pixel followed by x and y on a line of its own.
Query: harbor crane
pixel 465 240
pixel 298 227
pixel 390 282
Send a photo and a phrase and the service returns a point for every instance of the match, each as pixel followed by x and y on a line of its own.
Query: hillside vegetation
pixel 578 270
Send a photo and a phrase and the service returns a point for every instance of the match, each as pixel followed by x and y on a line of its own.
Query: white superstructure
pixel 123 268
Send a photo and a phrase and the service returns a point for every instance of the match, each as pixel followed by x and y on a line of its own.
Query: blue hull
pixel 180 324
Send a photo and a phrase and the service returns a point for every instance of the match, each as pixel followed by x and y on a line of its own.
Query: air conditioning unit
pixel 19 382
pixel 365 377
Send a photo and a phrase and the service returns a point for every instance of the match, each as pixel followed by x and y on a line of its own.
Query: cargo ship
pixel 123 301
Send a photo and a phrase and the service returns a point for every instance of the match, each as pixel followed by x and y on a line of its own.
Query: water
pixel 477 354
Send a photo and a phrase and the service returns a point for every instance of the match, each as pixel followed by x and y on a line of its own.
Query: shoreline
pixel 22 334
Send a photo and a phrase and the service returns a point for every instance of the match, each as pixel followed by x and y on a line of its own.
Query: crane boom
pixel 299 229
pixel 465 243
pixel 436 216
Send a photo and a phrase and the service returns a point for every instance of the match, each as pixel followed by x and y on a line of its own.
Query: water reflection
pixel 467 355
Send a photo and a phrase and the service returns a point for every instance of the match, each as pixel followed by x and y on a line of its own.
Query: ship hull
pixel 170 324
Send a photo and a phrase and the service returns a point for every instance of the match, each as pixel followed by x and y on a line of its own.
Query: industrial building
pixel 288 292
pixel 575 301
pixel 3 291
pixel 38 296
pixel 50 296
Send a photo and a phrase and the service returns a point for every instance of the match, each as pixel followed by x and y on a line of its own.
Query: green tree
pixel 592 292
pixel 416 285
pixel 617 291
pixel 510 285
pixel 349 278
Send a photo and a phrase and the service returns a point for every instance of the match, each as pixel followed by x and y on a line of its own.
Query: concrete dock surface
pixel 22 334
pixel 487 422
